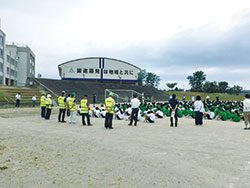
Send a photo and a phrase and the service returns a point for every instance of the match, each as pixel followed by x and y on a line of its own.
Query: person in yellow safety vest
pixel 43 105
pixel 48 107
pixel 72 108
pixel 62 107
pixel 109 106
pixel 85 107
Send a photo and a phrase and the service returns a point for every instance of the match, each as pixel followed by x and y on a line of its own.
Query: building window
pixel 1 67
pixel 91 71
pixel 1 40
pixel 1 53
pixel 79 70
pixel 85 70
pixel 1 79
pixel 12 72
pixel 8 70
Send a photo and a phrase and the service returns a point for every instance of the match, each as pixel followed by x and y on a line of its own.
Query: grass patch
pixel 3 167
pixel 223 97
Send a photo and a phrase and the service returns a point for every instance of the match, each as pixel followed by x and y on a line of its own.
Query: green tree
pixel 171 85
pixel 142 75
pixel 222 86
pixel 236 89
pixel 210 87
pixel 152 80
pixel 196 80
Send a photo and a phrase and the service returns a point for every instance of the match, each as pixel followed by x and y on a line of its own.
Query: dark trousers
pixel 61 114
pixel 33 103
pixel 48 113
pixel 134 115
pixel 108 120
pixel 17 103
pixel 198 118
pixel 43 110
pixel 175 117
pixel 83 118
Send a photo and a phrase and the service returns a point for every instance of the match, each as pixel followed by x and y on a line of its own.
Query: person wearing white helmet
pixel 48 107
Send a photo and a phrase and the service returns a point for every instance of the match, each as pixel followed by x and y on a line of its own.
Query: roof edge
pixel 98 58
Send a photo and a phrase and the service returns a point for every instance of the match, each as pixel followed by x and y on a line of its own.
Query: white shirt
pixel 33 98
pixel 120 115
pixel 135 103
pixel 18 97
pixel 129 110
pixel 198 106
pixel 211 114
pixel 159 113
pixel 246 104
pixel 151 116
pixel 192 98
pixel 103 113
pixel 97 113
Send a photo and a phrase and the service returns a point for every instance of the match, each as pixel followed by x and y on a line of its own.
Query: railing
pixel 46 88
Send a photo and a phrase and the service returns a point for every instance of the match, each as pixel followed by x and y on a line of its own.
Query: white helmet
pixel 48 96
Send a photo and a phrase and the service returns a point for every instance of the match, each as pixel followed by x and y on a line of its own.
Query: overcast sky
pixel 170 38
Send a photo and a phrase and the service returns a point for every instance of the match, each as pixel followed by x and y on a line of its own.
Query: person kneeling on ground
pixel 159 113
pixel 150 117
pixel 119 114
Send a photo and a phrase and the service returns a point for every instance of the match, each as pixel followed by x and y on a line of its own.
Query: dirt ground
pixel 37 153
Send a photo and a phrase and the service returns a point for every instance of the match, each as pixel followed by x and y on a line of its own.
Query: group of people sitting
pixel 222 110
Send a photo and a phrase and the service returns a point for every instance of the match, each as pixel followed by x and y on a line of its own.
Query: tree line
pixel 197 81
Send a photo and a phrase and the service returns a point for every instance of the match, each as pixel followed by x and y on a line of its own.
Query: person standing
pixel 199 110
pixel 48 107
pixel 34 101
pixel 109 106
pixel 18 99
pixel 173 103
pixel 72 108
pixel 192 98
pixel 43 105
pixel 135 103
pixel 62 107
pixel 246 110
pixel 85 107
pixel 67 104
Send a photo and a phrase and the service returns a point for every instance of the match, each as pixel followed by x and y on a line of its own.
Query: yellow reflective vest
pixel 42 101
pixel 48 105
pixel 84 106
pixel 61 102
pixel 109 103
pixel 72 104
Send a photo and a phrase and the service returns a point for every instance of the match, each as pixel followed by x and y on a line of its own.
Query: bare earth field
pixel 37 153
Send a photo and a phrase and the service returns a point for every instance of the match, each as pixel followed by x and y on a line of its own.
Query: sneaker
pixel 63 121
pixel 90 125
pixel 111 128
pixel 129 124
pixel 246 128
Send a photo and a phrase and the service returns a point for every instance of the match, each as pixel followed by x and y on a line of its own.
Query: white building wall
pixel 22 69
pixel 98 68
